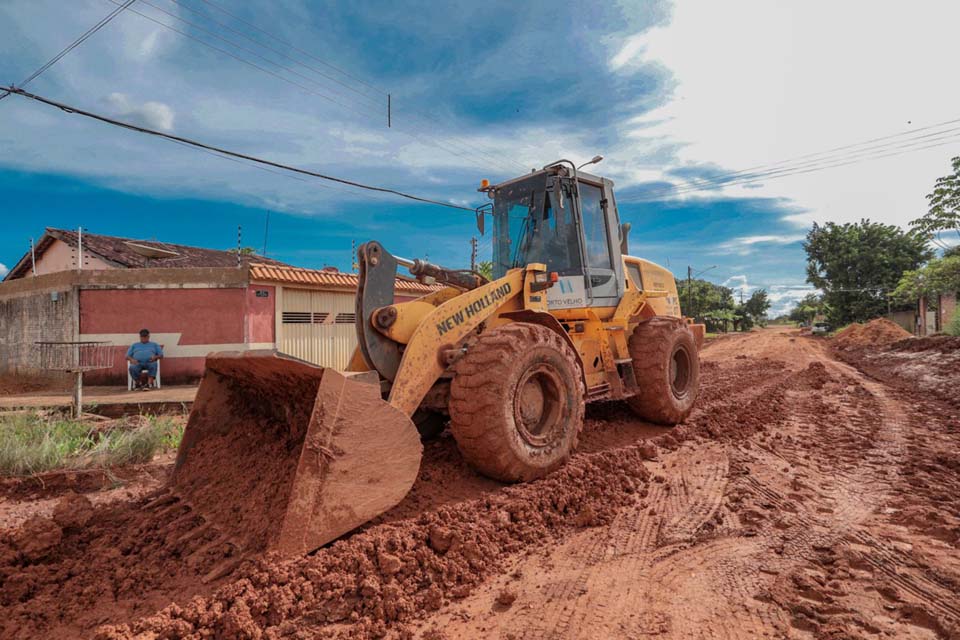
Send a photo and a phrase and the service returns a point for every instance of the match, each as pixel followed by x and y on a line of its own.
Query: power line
pixel 782 173
pixel 476 146
pixel 349 107
pixel 200 145
pixel 823 160
pixel 73 45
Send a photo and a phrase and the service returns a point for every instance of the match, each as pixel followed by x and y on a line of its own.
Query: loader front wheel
pixel 516 402
pixel 667 368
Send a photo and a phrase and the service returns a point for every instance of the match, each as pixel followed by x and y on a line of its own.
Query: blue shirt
pixel 143 351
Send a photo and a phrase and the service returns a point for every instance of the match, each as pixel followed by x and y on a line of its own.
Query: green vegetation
pixel 715 306
pixel 807 308
pixel 944 213
pixel 857 266
pixel 953 329
pixel 485 268
pixel 31 443
pixel 941 275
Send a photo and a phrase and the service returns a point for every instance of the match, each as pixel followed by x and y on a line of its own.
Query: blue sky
pixel 663 90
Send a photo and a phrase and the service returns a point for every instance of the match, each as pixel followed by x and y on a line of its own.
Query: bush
pixel 953 328
pixel 31 443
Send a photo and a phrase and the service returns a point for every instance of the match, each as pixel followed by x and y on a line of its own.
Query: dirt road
pixel 802 499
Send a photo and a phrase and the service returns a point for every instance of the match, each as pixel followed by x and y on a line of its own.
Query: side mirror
pixel 624 233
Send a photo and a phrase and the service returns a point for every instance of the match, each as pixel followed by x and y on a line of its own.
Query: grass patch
pixel 31 443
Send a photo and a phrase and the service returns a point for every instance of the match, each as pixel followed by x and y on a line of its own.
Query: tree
pixel 944 212
pixel 485 268
pixel 807 309
pixel 758 304
pixel 857 264
pixel 244 251
pixel 935 278
pixel 698 298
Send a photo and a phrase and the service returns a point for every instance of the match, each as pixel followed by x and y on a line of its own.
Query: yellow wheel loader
pixel 280 455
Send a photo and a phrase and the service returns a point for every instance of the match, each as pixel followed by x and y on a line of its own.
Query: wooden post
pixel 78 396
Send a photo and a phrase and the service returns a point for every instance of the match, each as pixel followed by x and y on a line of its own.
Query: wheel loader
pixel 283 456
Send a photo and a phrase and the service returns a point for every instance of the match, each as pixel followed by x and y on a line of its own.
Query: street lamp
pixel 593 160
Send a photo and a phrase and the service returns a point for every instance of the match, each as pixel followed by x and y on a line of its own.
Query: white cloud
pixel 747 244
pixel 3 270
pixel 759 82
pixel 155 115
pixel 739 283
pixel 784 297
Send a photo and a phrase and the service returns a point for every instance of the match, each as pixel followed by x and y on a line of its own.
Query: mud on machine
pixel 569 317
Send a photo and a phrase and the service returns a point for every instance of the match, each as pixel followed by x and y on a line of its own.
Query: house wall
pixel 28 317
pixel 60 256
pixel 188 322
pixel 948 308
pixel 261 301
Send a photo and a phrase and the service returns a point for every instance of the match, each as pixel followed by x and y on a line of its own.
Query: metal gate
pixel 317 326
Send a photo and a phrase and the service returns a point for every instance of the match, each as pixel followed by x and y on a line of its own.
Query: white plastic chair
pixel 131 383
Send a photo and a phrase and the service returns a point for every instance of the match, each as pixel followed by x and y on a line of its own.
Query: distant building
pixel 193 300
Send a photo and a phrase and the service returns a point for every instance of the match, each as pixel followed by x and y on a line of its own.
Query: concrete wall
pixel 906 319
pixel 190 311
pixel 28 317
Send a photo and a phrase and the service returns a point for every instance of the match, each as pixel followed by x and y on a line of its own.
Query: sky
pixel 670 93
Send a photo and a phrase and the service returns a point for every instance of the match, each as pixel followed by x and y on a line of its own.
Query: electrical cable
pixel 824 161
pixel 200 145
pixel 476 147
pixel 828 163
pixel 348 107
pixel 73 45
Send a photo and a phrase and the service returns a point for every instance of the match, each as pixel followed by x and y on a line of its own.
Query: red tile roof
pixel 324 278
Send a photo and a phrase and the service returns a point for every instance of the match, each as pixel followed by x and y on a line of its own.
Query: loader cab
pixel 570 225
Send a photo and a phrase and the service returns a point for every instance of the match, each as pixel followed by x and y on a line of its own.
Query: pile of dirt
pixel 877 332
pixel 86 566
pixel 938 344
pixel 401 570
pixel 929 365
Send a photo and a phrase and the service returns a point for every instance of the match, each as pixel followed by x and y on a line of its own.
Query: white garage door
pixel 317 326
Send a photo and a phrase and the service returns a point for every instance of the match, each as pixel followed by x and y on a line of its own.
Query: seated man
pixel 143 357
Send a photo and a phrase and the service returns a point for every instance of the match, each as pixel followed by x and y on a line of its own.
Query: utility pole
pixel 741 295
pixel 266 230
pixel 690 289
pixel 239 243
pixel 473 253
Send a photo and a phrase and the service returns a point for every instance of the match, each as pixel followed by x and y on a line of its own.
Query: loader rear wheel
pixel 667 367
pixel 516 402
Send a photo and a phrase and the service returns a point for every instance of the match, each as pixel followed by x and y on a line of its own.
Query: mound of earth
pixel 877 332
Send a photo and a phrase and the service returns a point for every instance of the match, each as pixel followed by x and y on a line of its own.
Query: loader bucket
pixel 282 456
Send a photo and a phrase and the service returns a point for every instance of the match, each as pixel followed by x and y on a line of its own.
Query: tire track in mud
pixel 863 481
pixel 737 545
pixel 578 598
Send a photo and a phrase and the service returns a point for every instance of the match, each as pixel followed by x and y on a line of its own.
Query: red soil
pixel 874 333
pixel 807 440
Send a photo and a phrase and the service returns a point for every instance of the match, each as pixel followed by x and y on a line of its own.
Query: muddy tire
pixel 516 402
pixel 667 367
